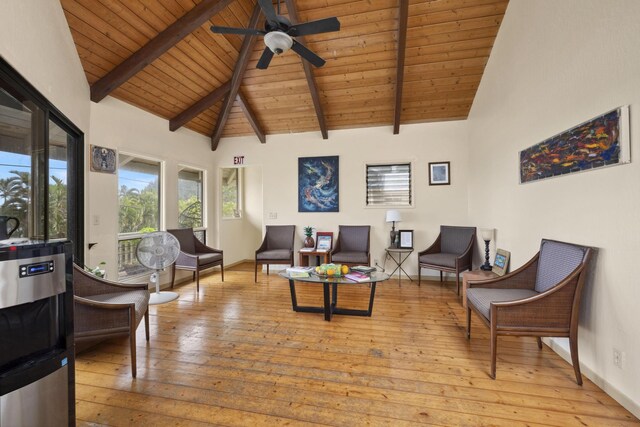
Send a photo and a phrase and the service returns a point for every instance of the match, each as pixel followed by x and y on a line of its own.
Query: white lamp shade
pixel 487 233
pixel 393 215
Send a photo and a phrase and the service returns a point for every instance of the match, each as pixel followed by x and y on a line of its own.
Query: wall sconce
pixel 393 216
pixel 487 236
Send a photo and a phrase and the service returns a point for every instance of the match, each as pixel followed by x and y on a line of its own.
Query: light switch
pixel 273 215
pixel 95 219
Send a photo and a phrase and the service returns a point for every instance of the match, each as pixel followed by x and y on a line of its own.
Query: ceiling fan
pixel 279 34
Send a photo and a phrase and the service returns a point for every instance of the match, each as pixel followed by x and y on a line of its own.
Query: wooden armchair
pixel 104 309
pixel 540 299
pixel 352 245
pixel 194 256
pixel 276 248
pixel 451 252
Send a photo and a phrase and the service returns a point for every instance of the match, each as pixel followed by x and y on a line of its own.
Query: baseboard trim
pixel 607 387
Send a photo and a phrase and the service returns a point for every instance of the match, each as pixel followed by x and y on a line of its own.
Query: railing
pixel 128 264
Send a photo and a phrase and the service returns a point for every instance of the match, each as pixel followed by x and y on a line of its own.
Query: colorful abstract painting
pixel 602 141
pixel 318 184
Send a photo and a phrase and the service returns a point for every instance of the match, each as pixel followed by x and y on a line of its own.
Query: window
pixel 191 201
pixel 231 193
pixel 389 185
pixel 139 208
pixel 40 156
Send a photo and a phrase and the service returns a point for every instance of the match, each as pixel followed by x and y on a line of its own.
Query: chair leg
pixel 222 271
pixel 441 275
pixel 146 323
pixel 494 345
pixel 132 339
pixel 197 274
pixel 573 345
pixel 458 282
pixel 267 269
pixel 419 275
pixel 468 322
pixel 173 274
pixel 256 272
pixel 539 342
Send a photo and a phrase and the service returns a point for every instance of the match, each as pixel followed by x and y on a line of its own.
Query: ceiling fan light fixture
pixel 278 42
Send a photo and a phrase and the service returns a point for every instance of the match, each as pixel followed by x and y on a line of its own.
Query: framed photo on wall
pixel 406 239
pixel 439 173
pixel 324 241
pixel 501 262
pixel 103 159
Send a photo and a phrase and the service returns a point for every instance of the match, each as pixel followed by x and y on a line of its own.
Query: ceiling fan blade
pixel 240 31
pixel 265 59
pixel 315 27
pixel 307 54
pixel 269 11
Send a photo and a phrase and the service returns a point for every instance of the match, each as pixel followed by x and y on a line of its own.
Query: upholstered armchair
pixel 276 248
pixel 540 299
pixel 451 252
pixel 352 245
pixel 194 256
pixel 104 309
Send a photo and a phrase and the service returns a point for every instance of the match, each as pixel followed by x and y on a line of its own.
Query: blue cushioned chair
pixel 540 299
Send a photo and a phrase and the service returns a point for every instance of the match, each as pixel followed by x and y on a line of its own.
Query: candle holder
pixel 487 236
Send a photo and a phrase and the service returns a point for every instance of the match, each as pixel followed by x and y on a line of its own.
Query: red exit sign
pixel 238 160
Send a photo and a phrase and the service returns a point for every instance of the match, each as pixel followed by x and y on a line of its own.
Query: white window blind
pixel 389 185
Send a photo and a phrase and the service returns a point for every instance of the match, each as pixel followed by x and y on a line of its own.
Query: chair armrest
pixel 187 260
pixel 105 305
pixel 522 278
pixel 86 284
pixel 263 246
pixel 201 247
pixel 433 249
pixel 548 309
pixel 465 257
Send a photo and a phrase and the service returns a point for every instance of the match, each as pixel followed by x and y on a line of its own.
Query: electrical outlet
pixel 375 261
pixel 617 358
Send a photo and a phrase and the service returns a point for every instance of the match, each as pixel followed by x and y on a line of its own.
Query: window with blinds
pixel 389 185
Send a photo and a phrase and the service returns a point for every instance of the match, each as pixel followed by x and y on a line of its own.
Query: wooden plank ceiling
pixel 446 47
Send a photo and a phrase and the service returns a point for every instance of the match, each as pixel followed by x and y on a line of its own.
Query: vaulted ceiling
pixel 393 62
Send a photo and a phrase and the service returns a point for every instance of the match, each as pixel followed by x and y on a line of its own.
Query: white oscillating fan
pixel 158 251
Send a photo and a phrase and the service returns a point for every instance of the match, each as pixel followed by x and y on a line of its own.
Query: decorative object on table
pixel 487 236
pixel 406 239
pixel 158 251
pixel 5 233
pixel 331 270
pixel 599 142
pixel 393 216
pixel 501 262
pixel 439 173
pixel 318 184
pixel 324 241
pixel 308 241
pixel 103 159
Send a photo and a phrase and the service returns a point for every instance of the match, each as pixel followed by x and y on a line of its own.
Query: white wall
pixel 420 144
pixel 115 124
pixel 554 65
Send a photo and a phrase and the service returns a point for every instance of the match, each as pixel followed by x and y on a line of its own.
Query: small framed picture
pixel 501 263
pixel 324 241
pixel 439 173
pixel 103 159
pixel 406 239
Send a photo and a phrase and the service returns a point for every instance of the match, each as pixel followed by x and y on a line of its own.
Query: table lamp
pixel 487 236
pixel 392 217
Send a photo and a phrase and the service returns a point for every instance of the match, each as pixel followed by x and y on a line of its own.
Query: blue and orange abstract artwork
pixel 593 144
pixel 318 184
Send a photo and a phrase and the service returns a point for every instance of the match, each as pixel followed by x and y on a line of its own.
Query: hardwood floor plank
pixel 236 354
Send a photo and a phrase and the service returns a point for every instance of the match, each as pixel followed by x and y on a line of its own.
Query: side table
pixel 403 254
pixel 473 275
pixel 303 257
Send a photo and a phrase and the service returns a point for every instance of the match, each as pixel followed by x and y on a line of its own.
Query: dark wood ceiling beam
pixel 402 44
pixel 238 74
pixel 155 47
pixel 308 72
pixel 251 117
pixel 187 115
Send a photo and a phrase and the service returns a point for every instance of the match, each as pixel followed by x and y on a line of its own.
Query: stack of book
pixel 357 277
pixel 363 269
pixel 299 271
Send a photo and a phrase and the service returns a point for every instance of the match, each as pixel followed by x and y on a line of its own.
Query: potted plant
pixel 308 241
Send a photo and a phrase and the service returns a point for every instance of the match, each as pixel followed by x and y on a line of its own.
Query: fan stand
pixel 160 297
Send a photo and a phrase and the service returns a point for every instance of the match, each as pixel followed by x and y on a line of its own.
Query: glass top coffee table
pixel 330 291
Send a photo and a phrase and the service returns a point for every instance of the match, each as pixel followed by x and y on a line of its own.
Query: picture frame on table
pixel 324 241
pixel 406 239
pixel 439 173
pixel 501 262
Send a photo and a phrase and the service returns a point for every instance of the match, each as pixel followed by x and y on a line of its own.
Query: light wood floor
pixel 236 354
